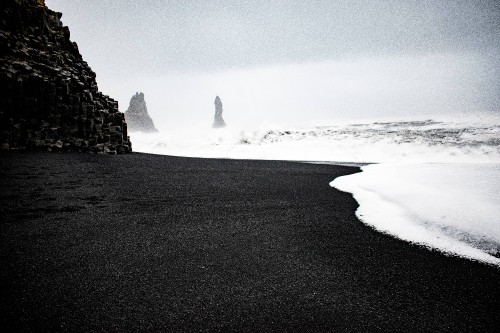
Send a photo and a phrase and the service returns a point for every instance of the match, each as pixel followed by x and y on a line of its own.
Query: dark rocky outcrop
pixel 49 98
pixel 218 121
pixel 137 115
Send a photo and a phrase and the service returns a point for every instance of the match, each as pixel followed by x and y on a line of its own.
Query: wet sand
pixel 138 242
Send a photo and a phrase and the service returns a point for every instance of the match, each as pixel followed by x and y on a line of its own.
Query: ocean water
pixel 375 142
pixel 434 183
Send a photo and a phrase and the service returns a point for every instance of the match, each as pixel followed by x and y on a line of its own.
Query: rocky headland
pixel 49 99
pixel 137 115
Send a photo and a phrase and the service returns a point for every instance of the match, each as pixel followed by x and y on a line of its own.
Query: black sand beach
pixel 145 243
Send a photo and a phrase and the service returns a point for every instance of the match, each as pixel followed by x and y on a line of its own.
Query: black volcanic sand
pixel 93 243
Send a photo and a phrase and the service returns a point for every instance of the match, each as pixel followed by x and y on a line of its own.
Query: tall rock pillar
pixel 218 121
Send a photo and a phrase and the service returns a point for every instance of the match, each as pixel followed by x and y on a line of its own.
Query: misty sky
pixel 292 60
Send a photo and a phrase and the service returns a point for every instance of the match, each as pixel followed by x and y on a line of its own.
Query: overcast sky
pixel 299 60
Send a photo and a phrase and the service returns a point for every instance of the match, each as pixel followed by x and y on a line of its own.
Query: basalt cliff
pixel 49 99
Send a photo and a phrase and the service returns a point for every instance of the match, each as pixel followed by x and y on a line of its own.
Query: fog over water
pixel 291 61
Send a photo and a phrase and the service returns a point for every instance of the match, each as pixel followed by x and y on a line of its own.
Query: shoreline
pixel 152 242
pixel 461 223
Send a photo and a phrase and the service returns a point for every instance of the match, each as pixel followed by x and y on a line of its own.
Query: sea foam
pixel 415 141
pixel 454 208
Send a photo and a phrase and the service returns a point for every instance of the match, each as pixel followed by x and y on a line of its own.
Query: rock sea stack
pixel 49 99
pixel 218 121
pixel 137 115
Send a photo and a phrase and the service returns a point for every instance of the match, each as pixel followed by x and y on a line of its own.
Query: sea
pixel 430 182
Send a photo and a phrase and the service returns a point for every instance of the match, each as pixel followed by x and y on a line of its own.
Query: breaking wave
pixel 409 141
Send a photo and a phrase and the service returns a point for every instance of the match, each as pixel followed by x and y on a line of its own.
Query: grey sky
pixel 156 35
pixel 127 40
